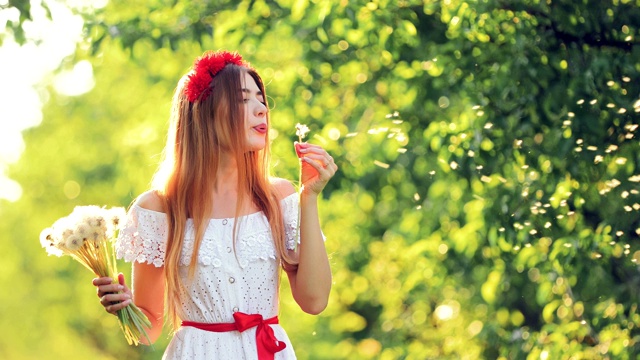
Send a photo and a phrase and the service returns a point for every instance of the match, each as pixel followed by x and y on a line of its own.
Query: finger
pixel 313 149
pixel 318 165
pixel 110 299
pixel 102 281
pixel 110 289
pixel 114 308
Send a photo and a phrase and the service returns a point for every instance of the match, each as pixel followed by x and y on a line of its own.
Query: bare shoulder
pixel 150 200
pixel 283 187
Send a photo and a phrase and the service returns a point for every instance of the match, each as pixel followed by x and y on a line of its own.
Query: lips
pixel 262 128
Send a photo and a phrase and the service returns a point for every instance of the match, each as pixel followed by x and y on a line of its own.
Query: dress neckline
pixel 245 216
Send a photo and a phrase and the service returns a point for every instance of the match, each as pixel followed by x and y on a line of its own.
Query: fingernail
pixel 120 287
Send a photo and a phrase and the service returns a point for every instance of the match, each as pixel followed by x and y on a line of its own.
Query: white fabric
pixel 223 284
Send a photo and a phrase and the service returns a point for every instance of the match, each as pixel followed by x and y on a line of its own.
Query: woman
pixel 215 228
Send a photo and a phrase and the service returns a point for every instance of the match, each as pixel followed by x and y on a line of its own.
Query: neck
pixel 227 174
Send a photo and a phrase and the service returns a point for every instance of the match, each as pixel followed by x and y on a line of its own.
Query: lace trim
pixel 143 237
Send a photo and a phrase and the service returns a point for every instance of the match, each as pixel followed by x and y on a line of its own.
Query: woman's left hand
pixel 318 167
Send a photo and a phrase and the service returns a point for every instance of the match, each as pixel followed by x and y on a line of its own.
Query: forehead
pixel 249 83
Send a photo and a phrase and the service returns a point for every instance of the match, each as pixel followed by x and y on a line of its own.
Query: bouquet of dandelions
pixel 301 132
pixel 86 235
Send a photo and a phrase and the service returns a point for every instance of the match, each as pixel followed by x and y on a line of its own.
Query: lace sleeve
pixel 290 206
pixel 143 237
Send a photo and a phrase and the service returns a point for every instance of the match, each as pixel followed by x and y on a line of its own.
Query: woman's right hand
pixel 113 296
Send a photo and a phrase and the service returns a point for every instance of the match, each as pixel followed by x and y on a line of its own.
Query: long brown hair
pixel 199 133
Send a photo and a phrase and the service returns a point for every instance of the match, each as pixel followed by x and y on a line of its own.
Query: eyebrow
pixel 258 93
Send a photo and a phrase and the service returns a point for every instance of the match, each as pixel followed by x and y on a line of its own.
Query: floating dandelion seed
pixel 432 172
pixel 381 164
pixel 628 208
pixel 566 123
pixel 490 125
pixel 547 225
pixel 402 150
pixel 592 148
pixel 517 143
pixel 502 229
pixel 352 134
pixel 618 233
pixel 485 178
pixel 610 83
pixel 598 159
pixel 593 102
pixel 611 148
pixel 479 167
pixel 580 102
pixel 621 161
pixel 611 105
pixel 622 111
pixel 626 79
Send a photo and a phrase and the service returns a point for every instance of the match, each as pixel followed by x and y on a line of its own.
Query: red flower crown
pixel 204 69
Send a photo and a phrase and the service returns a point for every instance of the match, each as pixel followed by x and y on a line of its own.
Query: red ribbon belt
pixel 266 340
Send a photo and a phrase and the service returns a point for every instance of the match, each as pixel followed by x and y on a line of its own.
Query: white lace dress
pixel 222 284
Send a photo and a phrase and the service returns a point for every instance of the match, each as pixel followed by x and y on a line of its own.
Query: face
pixel 255 114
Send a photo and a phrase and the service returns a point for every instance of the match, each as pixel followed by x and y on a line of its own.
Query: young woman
pixel 214 230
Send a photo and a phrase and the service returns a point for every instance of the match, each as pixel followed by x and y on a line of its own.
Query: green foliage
pixel 487 200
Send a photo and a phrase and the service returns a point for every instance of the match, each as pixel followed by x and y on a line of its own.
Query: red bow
pixel 266 340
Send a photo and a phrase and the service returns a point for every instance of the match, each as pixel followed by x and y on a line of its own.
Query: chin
pixel 255 147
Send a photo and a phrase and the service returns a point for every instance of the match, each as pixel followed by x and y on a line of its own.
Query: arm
pixel 311 281
pixel 147 283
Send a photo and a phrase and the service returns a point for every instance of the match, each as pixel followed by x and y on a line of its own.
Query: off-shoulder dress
pixel 227 280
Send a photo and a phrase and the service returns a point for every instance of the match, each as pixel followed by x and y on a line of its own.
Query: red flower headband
pixel 204 69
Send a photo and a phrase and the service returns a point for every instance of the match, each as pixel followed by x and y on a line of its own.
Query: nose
pixel 260 110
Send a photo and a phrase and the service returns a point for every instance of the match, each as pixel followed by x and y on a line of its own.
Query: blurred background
pixel 487 204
